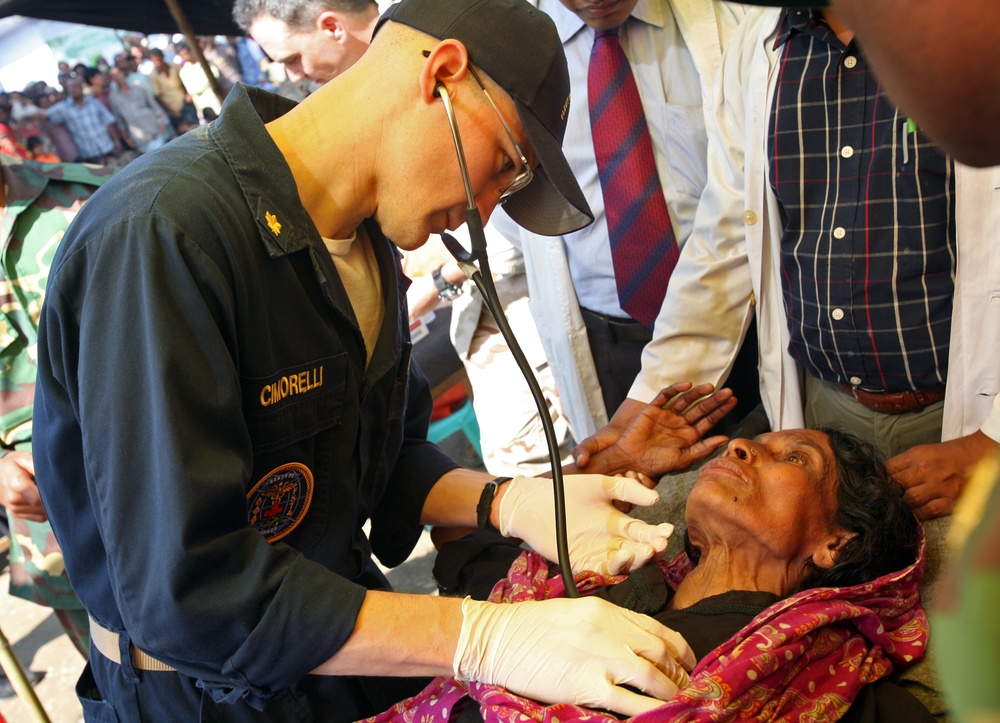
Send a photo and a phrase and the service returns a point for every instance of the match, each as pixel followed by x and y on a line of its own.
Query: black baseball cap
pixel 518 47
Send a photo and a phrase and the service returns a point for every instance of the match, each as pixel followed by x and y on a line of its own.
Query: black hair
pixel 870 504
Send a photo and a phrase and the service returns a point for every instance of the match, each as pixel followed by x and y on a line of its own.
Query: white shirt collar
pixel 569 23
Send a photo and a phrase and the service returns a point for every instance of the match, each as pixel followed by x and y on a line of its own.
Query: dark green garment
pixel 42 200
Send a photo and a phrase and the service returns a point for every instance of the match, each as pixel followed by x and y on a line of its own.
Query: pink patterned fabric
pixel 803 658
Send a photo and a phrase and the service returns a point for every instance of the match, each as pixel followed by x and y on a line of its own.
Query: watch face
pixel 449 293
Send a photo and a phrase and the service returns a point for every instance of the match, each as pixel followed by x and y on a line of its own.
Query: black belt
pixel 894 402
pixel 619 329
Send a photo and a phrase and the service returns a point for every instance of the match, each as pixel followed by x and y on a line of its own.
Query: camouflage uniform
pixel 42 199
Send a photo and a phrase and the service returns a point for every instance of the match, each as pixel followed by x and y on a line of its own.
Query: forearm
pixel 452 273
pixel 452 501
pixel 400 635
pixel 500 645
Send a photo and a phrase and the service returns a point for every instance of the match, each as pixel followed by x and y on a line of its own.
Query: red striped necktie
pixel 643 247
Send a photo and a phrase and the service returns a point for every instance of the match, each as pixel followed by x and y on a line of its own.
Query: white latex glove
pixel 579 651
pixel 600 537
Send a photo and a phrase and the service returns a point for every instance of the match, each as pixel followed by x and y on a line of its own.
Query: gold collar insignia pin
pixel 272 223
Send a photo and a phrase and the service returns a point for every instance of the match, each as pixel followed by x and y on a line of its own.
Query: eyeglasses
pixel 524 177
pixel 520 181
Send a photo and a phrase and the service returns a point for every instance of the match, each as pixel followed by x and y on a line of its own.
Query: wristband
pixel 446 290
pixel 486 502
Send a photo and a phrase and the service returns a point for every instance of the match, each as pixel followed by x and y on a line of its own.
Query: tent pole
pixel 185 27
pixel 15 674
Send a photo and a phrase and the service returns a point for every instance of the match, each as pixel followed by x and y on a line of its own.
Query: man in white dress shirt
pixel 674 48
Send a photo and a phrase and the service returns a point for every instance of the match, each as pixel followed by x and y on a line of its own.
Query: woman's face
pixel 774 498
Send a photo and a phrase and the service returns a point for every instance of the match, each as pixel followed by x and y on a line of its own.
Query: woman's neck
pixel 722 570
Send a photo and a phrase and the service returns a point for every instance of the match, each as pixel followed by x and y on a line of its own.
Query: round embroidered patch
pixel 279 502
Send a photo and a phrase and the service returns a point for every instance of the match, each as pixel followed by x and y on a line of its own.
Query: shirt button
pixel 749 218
pixel 847 151
pixel 850 61
pixel 838 314
pixel 839 232
pixel 855 381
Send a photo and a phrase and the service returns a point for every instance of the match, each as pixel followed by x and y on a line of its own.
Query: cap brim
pixel 552 204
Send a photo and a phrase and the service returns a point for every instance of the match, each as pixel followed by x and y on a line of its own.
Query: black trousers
pixel 616 345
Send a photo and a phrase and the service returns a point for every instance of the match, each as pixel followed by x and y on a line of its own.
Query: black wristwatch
pixel 486 502
pixel 446 290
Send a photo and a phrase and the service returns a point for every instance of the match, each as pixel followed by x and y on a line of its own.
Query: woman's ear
pixel 828 553
pixel 447 64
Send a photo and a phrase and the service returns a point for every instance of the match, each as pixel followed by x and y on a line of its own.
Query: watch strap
pixel 486 502
pixel 439 281
pixel 446 290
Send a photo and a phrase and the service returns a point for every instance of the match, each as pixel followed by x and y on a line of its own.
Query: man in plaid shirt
pixel 90 123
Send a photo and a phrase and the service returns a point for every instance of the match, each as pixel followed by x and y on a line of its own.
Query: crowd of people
pixel 772 220
pixel 110 112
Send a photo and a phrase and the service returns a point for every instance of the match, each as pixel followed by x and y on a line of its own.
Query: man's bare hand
pixel 934 475
pixel 18 492
pixel 660 437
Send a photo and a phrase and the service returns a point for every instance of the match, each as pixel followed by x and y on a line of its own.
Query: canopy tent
pixel 206 17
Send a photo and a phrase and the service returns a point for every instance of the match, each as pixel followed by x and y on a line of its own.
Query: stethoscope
pixel 476 266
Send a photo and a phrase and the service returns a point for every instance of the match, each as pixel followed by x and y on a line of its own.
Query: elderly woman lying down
pixel 797 593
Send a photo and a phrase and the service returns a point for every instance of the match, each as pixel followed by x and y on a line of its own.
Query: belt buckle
pixel 870 390
pixel 859 390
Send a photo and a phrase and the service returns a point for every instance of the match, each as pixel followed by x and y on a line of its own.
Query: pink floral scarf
pixel 804 658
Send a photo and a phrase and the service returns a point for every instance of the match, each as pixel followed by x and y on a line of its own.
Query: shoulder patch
pixel 279 502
